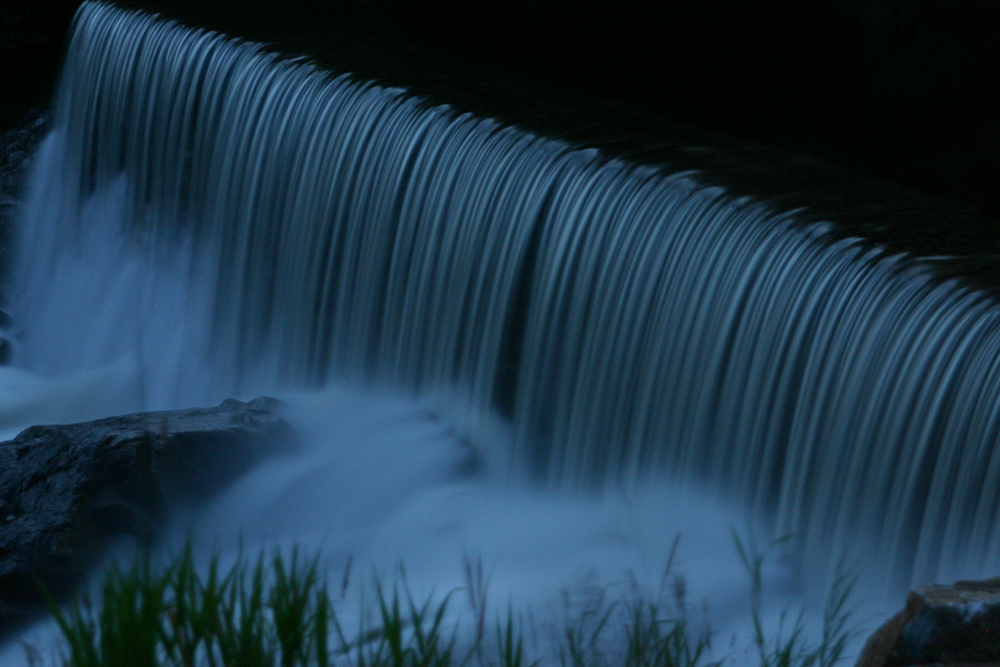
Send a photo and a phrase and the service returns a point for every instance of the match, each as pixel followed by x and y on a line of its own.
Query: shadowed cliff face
pixel 17 145
pixel 903 90
pixel 32 33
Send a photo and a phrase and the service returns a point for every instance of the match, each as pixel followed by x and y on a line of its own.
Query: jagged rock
pixel 949 625
pixel 64 490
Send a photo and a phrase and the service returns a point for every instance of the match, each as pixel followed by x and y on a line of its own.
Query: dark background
pixel 905 90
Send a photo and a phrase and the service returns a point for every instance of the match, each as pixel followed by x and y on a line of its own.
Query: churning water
pixel 207 219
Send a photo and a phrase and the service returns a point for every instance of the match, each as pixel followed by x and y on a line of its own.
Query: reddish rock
pixel 940 625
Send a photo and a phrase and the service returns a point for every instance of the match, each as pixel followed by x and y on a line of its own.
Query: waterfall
pixel 630 324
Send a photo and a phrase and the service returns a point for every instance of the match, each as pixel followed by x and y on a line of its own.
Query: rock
pixel 17 146
pixel 64 490
pixel 949 625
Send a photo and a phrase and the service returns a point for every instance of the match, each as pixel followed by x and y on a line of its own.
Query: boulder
pixel 940 625
pixel 64 490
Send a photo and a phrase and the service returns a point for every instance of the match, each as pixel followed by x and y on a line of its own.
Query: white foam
pixel 28 398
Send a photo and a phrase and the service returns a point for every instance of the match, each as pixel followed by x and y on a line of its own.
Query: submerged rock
pixel 65 489
pixel 949 625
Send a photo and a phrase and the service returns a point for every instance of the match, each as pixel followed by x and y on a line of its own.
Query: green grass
pixel 277 610
pixel 786 646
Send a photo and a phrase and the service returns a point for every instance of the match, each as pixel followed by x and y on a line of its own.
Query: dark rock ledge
pixel 64 490
pixel 957 625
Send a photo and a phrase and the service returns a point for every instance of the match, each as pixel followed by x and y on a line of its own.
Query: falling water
pixel 249 223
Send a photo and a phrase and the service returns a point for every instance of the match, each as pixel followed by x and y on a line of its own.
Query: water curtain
pixel 629 323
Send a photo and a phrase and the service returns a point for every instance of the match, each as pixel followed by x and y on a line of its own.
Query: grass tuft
pixel 276 611
pixel 787 645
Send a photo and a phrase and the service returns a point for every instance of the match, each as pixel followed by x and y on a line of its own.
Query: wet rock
pixel 17 146
pixel 940 625
pixel 64 490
